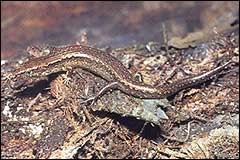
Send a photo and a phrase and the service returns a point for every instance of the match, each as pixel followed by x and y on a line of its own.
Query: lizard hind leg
pixel 111 85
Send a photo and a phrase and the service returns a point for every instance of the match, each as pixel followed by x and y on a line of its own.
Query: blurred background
pixel 114 24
